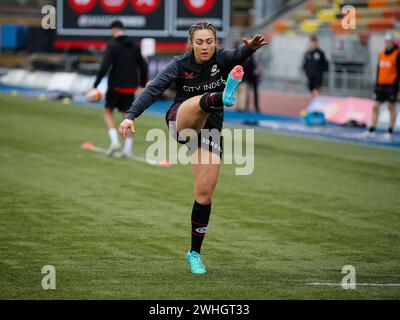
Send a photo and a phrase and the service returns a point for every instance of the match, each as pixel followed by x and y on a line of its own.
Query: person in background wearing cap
pixel 314 66
pixel 386 86
pixel 128 72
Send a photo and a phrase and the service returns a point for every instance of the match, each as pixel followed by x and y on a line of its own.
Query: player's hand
pixel 93 95
pixel 127 128
pixel 255 43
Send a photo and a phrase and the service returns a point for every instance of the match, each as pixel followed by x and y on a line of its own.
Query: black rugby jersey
pixel 191 79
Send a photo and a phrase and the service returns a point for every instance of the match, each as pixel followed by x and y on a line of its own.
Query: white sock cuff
pixel 128 145
pixel 113 134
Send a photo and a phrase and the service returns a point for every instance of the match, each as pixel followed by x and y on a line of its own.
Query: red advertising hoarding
pixel 142 18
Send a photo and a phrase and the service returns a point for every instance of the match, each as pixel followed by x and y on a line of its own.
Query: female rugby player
pixel 206 80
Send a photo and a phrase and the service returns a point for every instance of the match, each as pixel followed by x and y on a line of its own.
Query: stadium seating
pixel 52 62
pixel 13 60
pixel 326 15
pixel 318 5
pixel 372 15
pixel 371 3
pixel 284 25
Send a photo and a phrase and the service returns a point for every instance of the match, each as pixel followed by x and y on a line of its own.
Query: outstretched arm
pixel 236 56
pixel 151 92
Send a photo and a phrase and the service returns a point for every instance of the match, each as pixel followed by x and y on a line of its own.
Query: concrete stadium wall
pixel 287 54
pixel 375 45
pixel 284 57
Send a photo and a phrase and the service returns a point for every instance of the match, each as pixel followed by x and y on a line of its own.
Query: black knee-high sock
pixel 211 102
pixel 200 217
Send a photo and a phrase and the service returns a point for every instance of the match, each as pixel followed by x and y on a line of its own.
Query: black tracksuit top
pixel 315 63
pixel 190 78
pixel 126 61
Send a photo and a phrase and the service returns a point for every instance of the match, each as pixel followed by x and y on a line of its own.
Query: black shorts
pixel 120 101
pixel 385 93
pixel 210 139
pixel 314 83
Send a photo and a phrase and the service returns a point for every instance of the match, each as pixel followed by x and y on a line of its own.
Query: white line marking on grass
pixel 357 284
pixel 149 161
pixel 97 149
pixel 361 143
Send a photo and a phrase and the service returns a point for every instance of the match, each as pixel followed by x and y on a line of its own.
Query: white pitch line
pixel 97 149
pixel 357 284
pixel 148 161
pixel 138 158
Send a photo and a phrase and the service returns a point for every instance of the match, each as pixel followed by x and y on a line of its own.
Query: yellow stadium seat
pixel 327 15
pixel 310 26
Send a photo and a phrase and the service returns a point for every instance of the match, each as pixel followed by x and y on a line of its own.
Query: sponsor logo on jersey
pixel 317 56
pixel 205 87
pixel 189 75
pixel 214 70
pixel 214 145
pixel 385 64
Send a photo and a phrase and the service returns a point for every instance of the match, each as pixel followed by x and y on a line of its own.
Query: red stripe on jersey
pixel 212 99
pixel 198 234
pixel 125 90
pixel 200 224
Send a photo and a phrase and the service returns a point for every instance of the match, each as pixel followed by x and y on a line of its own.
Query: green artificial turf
pixel 120 229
